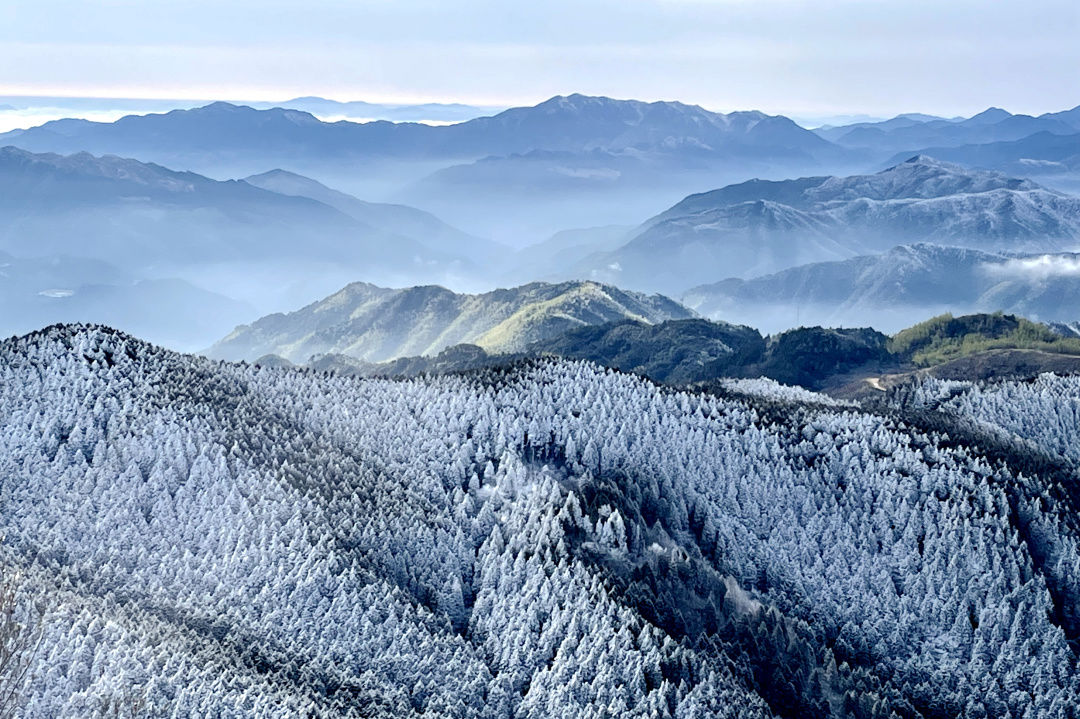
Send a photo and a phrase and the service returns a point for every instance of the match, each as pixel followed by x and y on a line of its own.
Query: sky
pixel 809 59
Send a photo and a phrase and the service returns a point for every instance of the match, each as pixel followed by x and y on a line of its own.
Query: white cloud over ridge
pixel 1034 268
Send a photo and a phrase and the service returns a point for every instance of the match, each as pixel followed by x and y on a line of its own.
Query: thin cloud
pixel 1042 267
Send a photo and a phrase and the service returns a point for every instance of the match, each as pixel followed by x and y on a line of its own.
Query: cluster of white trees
pixel 1044 411
pixel 553 540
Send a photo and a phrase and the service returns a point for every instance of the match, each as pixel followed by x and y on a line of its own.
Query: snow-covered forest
pixel 551 539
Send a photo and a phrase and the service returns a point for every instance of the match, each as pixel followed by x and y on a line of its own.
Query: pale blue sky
pixel 848 56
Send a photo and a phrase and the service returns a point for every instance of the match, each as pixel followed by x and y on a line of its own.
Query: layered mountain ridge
pixel 909 132
pixel 501 177
pixel 259 247
pixel 574 122
pixel 886 290
pixel 375 324
pixel 761 226
pixel 133 212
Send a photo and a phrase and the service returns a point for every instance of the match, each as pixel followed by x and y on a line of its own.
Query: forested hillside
pixel 844 360
pixel 552 539
pixel 946 337
pixel 676 352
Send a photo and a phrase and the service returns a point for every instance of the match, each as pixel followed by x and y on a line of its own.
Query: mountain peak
pixel 227 109
pixel 575 101
pixel 96 343
pixel 926 160
pixel 276 172
pixel 219 108
pixel 918 117
pixel 13 151
pixel 935 166
pixel 990 115
pixel 580 102
pixel 925 177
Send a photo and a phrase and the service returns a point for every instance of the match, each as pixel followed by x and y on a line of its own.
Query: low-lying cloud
pixel 1043 266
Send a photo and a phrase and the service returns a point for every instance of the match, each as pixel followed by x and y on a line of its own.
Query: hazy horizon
pixel 84 104
pixel 777 56
pixel 34 110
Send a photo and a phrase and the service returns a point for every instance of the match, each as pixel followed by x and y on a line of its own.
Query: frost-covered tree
pixel 548 539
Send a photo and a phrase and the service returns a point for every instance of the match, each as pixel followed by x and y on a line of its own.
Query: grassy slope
pixel 946 338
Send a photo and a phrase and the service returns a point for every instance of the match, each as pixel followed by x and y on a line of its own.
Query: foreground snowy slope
pixel 547 540
pixel 1043 413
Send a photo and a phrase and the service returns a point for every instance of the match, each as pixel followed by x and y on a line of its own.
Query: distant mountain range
pixel 375 324
pixel 278 239
pixel 1051 158
pixel 525 173
pixel 1042 152
pixel 911 132
pixel 436 112
pixel 134 212
pixel 576 123
pixel 1046 147
pixel 288 134
pixel 519 175
pixel 891 289
pixel 155 222
pixel 516 197
pixel 597 161
pixel 759 227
